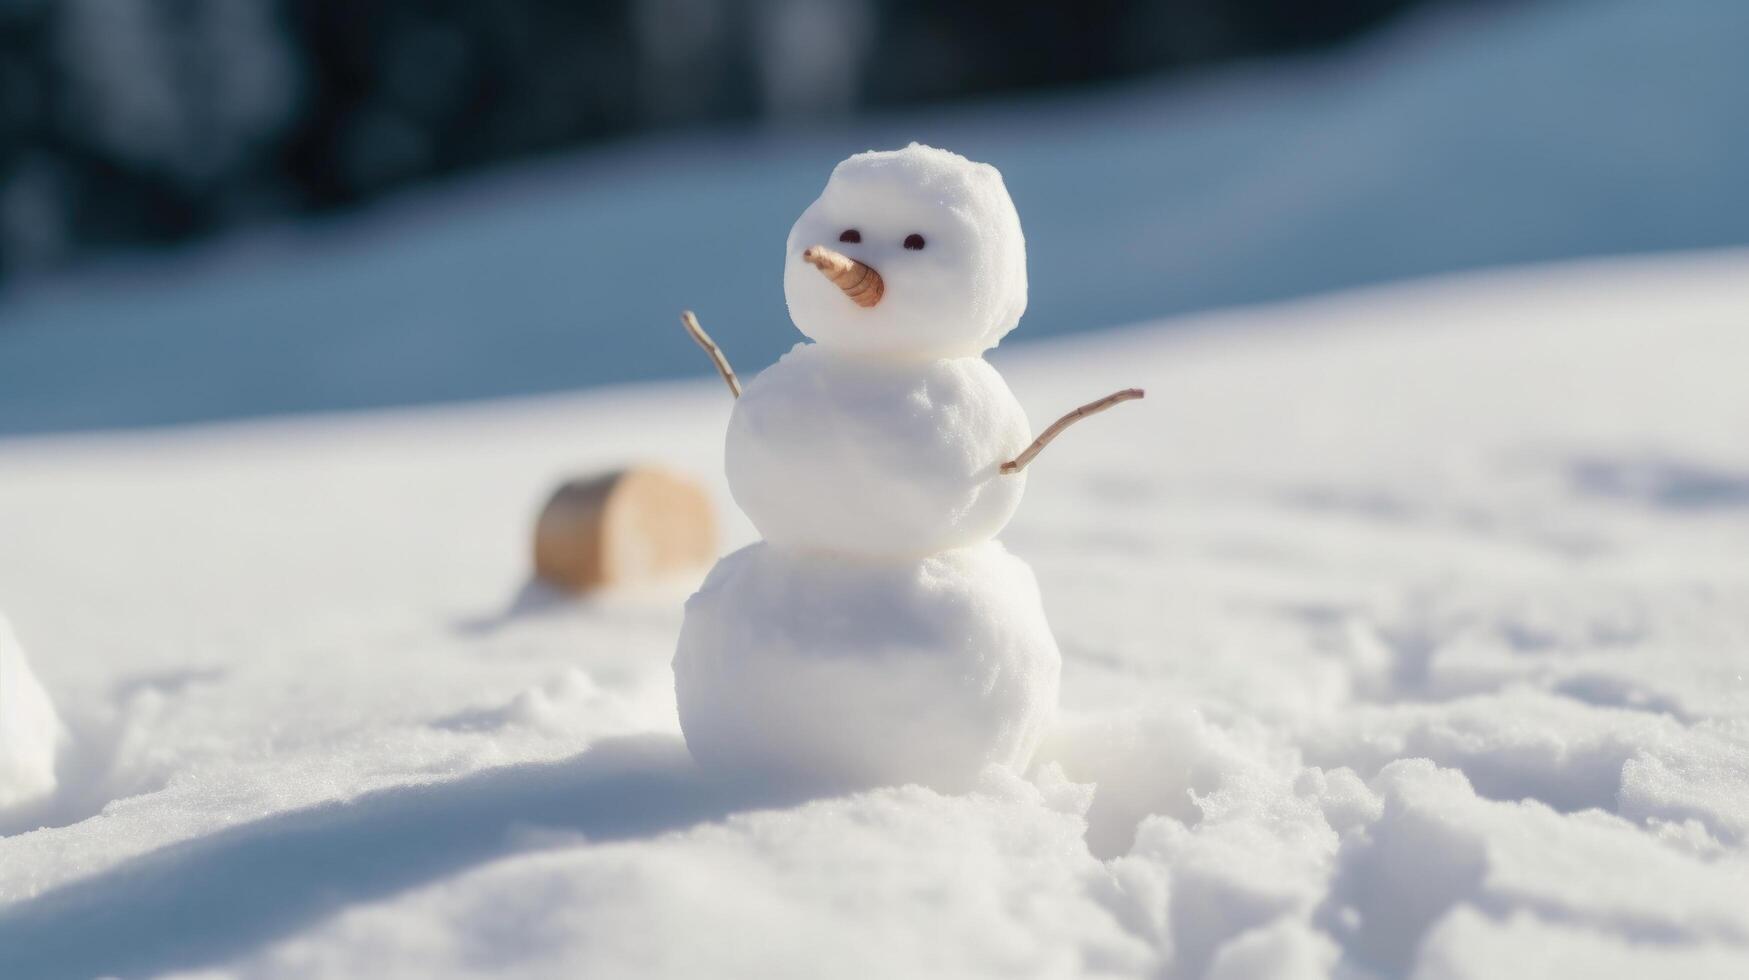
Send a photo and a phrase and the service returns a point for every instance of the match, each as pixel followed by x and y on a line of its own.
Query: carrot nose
pixel 859 280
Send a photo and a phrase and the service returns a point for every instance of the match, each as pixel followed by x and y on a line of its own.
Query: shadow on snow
pixel 209 899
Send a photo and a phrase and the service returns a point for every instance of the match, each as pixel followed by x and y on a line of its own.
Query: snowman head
pixel 914 253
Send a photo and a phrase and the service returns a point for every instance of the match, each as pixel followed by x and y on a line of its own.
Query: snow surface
pixel 1404 635
pixel 1511 133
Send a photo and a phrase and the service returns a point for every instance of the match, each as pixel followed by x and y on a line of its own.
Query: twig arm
pixel 716 353
pixel 1018 463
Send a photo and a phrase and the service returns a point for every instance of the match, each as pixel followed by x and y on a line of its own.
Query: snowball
pixel 955 296
pixel 826 670
pixel 29 728
pixel 832 453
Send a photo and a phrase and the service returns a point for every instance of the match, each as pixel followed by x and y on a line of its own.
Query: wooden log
pixel 624 527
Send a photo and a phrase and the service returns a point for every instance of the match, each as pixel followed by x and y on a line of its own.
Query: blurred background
pixel 221 208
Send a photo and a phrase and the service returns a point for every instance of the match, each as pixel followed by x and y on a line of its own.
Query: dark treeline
pixel 127 122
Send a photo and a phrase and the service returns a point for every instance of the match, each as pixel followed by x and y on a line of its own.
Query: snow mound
pixel 30 731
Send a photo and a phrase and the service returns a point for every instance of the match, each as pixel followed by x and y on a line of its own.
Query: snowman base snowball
pixel 859 674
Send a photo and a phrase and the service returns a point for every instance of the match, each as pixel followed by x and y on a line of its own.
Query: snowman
pixel 879 634
pixel 30 731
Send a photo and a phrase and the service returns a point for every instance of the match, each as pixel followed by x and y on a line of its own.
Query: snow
pixel 840 670
pixel 1403 632
pixel 872 457
pixel 878 635
pixel 1461 139
pixel 1403 635
pixel 30 731
pixel 938 229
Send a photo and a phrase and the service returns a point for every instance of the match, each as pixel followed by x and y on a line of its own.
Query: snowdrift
pixel 1402 635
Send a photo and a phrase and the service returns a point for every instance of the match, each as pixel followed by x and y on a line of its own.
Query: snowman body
pixel 879 633
pixel 876 458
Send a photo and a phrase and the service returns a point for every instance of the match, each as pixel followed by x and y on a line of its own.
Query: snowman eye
pixel 850 235
pixel 914 242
